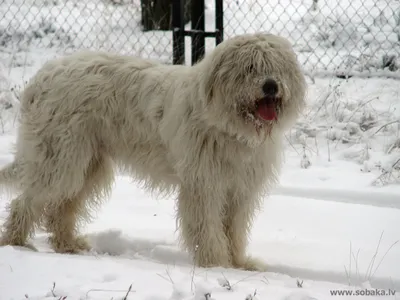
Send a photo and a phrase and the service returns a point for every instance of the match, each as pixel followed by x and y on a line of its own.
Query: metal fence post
pixel 178 33
pixel 219 21
pixel 198 28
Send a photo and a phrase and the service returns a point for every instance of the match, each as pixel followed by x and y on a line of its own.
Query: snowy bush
pixel 5 90
pixel 9 101
pixel 365 130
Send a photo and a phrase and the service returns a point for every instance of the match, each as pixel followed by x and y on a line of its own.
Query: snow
pixel 331 224
pixel 134 242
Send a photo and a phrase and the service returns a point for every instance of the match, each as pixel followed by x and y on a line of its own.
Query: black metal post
pixel 198 28
pixel 197 33
pixel 146 7
pixel 219 21
pixel 178 33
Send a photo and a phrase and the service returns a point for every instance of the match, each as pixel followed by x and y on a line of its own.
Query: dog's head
pixel 253 86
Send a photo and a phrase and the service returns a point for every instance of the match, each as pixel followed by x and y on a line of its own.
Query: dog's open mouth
pixel 266 108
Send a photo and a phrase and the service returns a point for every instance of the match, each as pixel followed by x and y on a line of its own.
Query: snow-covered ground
pixel 331 225
pixel 323 245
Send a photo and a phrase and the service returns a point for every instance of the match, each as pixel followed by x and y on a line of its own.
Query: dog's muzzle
pixel 266 107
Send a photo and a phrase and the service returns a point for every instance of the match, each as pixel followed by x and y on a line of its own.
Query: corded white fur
pixel 173 128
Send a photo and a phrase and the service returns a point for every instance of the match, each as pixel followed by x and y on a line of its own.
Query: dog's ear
pixel 219 66
pixel 213 76
pixel 209 83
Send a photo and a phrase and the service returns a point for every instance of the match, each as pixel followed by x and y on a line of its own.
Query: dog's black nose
pixel 270 87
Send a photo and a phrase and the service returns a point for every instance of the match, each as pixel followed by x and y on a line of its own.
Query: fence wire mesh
pixel 358 35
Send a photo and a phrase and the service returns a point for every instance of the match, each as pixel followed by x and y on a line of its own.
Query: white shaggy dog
pixel 212 132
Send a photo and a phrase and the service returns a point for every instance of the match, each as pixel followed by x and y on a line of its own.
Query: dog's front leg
pixel 201 224
pixel 238 222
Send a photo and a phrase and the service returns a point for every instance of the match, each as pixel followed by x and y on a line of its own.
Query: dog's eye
pixel 250 68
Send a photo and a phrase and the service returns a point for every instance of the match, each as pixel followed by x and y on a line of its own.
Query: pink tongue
pixel 266 112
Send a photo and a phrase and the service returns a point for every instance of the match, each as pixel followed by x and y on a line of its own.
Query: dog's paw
pixel 252 264
pixel 214 264
pixel 82 244
pixel 205 262
pixel 16 244
pixel 23 247
pixel 74 246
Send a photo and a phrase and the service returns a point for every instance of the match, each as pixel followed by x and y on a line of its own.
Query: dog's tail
pixel 9 175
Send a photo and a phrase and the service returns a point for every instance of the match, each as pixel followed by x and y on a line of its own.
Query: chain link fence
pixel 329 35
pixel 68 25
pixel 345 35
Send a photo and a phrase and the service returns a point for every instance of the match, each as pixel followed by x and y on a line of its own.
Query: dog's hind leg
pixel 45 184
pixel 62 219
pixel 24 212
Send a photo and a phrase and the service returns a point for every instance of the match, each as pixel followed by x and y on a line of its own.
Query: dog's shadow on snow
pixel 114 243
